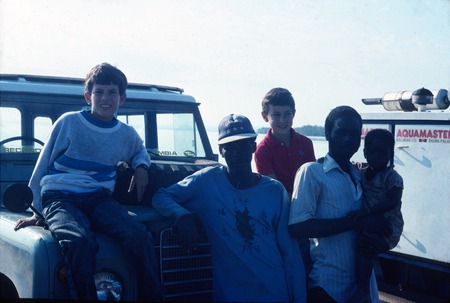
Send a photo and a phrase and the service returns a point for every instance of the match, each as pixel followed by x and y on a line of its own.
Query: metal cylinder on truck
pixel 403 101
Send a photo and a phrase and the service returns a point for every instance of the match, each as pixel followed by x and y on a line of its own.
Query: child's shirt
pixel 81 155
pixel 274 157
pixel 375 192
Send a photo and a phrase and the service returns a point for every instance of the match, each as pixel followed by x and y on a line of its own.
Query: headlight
pixel 109 286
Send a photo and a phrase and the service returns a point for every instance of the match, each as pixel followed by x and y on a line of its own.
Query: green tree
pixel 307 130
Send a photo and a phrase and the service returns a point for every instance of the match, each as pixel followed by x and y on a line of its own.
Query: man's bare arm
pixel 315 228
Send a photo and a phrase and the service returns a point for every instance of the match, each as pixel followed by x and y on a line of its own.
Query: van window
pixel 137 121
pixel 10 127
pixel 42 128
pixel 9 123
pixel 178 136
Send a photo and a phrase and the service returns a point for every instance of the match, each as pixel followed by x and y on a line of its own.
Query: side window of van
pixel 10 127
pixel 178 135
pixel 42 128
pixel 9 123
pixel 137 121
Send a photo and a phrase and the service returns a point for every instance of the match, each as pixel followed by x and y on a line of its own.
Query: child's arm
pixel 394 199
pixel 355 214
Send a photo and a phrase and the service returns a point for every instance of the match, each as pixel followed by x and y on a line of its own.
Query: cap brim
pixel 237 137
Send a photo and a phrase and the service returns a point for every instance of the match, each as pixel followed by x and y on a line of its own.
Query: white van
pixel 171 126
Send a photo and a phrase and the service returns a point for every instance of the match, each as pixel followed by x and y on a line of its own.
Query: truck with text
pixel 170 124
pixel 419 267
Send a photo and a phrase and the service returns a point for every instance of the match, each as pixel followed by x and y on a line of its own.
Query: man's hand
pixel 356 214
pixel 33 220
pixel 189 236
pixel 370 245
pixel 375 224
pixel 140 181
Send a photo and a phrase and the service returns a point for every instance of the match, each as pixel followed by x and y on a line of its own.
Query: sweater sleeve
pixel 141 156
pixel 55 145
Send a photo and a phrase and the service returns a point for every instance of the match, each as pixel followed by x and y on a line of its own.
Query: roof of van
pixel 408 116
pixel 33 84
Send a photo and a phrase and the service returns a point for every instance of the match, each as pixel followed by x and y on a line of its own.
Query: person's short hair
pixel 277 96
pixel 338 112
pixel 105 74
pixel 235 127
pixel 379 133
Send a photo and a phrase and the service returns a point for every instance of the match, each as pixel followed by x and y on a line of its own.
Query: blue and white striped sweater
pixel 82 153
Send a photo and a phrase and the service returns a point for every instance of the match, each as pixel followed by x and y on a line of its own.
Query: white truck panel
pixel 422 159
pixel 422 149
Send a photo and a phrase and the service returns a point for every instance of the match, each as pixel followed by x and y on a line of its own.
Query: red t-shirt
pixel 274 157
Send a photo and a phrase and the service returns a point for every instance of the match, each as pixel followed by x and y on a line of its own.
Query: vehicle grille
pixel 186 276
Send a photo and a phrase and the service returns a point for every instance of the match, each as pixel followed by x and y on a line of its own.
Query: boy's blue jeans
pixel 72 218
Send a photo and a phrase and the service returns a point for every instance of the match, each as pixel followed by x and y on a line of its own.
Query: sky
pixel 228 54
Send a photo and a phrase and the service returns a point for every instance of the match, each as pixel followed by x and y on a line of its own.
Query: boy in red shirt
pixel 282 151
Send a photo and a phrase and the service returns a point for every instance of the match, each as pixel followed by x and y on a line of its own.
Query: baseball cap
pixel 235 127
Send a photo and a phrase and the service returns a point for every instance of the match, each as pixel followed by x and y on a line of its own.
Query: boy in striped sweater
pixel 74 178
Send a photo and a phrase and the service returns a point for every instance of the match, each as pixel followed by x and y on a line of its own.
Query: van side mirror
pixel 17 197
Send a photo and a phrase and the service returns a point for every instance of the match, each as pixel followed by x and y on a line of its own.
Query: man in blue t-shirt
pixel 245 216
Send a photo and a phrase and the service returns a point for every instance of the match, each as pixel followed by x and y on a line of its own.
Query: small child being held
pixel 382 193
